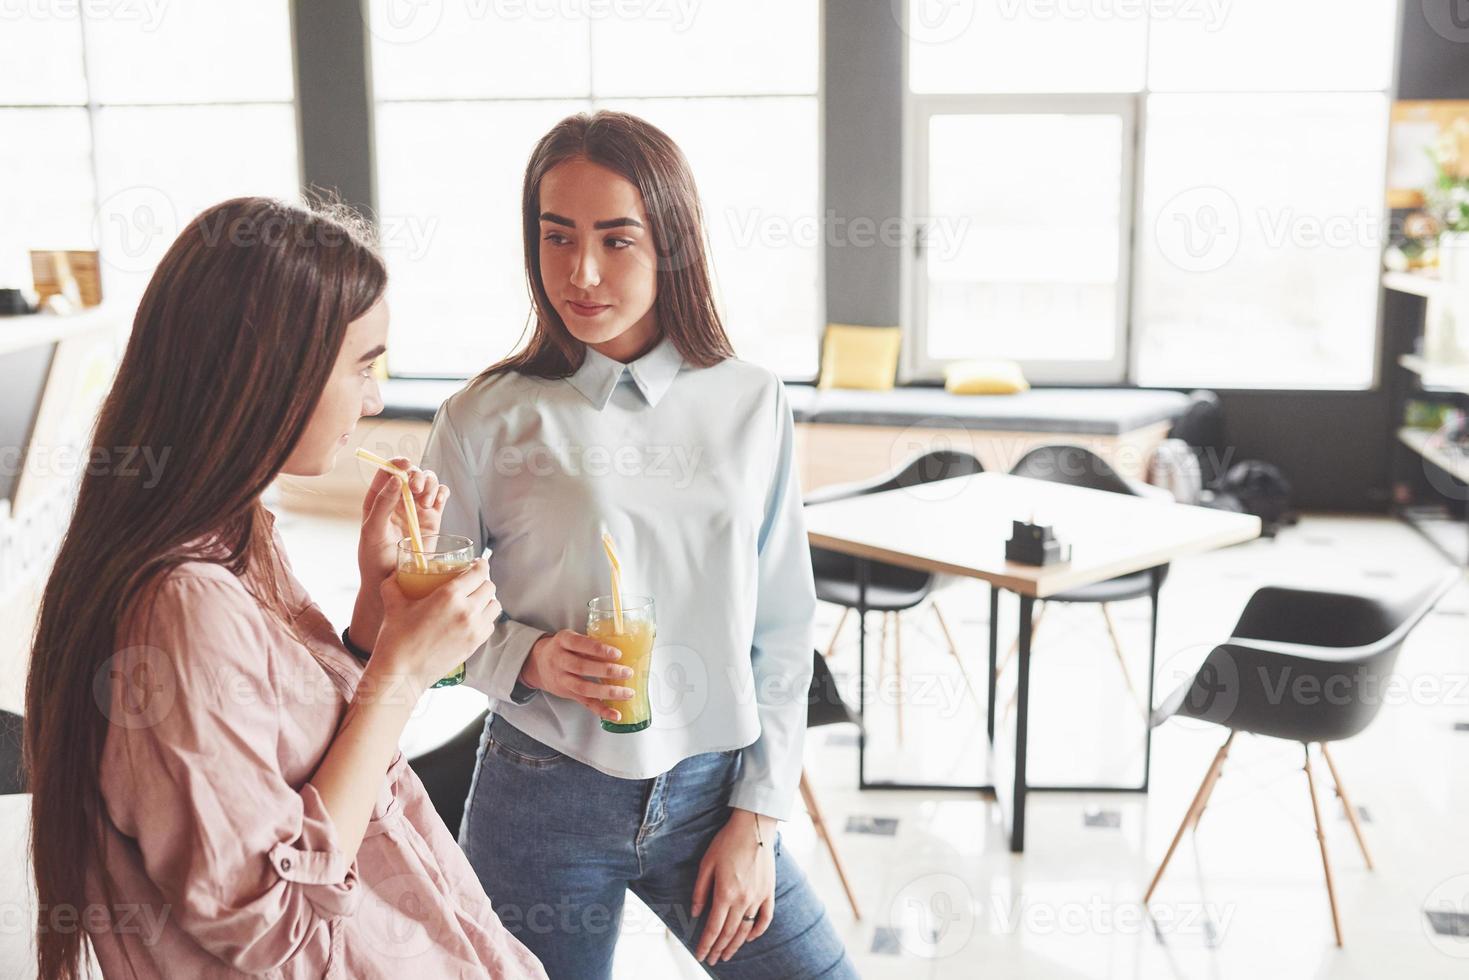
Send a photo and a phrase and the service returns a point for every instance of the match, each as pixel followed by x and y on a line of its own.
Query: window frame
pixel 593 100
pixel 919 365
pixel 916 367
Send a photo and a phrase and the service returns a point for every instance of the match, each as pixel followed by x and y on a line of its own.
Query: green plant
pixel 1448 198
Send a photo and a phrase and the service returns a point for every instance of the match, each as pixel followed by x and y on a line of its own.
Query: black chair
pixel 1305 666
pixel 1080 467
pixel 12 770
pixel 446 772
pixel 891 589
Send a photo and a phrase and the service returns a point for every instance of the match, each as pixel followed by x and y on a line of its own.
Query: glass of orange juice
pixel 443 557
pixel 635 640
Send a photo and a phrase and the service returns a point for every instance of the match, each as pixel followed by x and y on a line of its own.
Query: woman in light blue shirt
pixel 628 412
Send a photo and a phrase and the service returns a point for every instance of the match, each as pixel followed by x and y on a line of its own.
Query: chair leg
pixel 836 633
pixel 944 626
pixel 882 651
pixel 898 670
pixel 1121 660
pixel 954 650
pixel 1205 788
pixel 1341 792
pixel 831 848
pixel 1035 625
pixel 1321 839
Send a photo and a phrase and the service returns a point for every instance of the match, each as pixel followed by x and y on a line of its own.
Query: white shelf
pixel 1425 444
pixel 1436 377
pixel 1426 284
pixel 21 332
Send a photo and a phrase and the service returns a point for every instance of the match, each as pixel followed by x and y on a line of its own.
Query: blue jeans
pixel 557 844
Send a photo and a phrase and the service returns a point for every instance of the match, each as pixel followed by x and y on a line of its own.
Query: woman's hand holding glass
pixel 423 639
pixel 383 526
pixel 569 665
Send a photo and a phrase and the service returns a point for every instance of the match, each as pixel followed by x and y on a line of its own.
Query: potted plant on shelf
pixel 1448 200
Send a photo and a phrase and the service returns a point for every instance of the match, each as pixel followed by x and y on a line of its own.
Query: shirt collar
pixel 653 373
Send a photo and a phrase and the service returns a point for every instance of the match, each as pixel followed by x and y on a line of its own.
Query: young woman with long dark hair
pixel 216 784
pixel 628 410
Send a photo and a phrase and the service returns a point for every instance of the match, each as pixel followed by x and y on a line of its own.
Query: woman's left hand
pixel 383 523
pixel 736 884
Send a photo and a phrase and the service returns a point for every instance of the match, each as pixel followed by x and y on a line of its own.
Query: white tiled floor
pixel 942 897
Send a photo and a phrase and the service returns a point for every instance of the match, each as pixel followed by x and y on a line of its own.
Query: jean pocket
pixel 515 746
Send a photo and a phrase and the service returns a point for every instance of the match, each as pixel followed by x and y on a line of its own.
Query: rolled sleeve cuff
pixel 316 860
pixel 759 797
pixel 495 668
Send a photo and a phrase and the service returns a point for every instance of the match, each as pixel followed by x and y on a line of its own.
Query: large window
pixel 122 121
pixel 1197 185
pixel 463 91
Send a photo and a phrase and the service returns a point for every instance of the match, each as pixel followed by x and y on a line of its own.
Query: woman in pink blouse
pixel 217 789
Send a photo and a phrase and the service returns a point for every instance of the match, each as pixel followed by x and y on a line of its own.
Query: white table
pixel 960 526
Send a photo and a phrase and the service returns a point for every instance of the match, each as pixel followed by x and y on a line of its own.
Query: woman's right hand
pixel 567 664
pixel 424 639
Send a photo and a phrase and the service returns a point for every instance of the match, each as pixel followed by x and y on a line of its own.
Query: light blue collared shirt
pixel 691 470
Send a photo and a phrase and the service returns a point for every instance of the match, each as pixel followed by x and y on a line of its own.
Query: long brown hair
pixel 231 348
pixel 644 155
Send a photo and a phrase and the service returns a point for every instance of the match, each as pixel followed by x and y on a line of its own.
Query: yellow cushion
pixel 859 357
pixel 985 378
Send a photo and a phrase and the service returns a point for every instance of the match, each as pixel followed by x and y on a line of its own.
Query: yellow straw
pixel 611 550
pixel 410 510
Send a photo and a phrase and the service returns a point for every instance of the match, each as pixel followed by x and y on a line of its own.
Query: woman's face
pixel 598 264
pixel 350 394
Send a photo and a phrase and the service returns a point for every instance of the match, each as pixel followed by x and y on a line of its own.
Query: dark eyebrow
pixel 373 354
pixel 557 219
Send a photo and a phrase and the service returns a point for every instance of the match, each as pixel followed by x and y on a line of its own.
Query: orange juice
pixel 635 640
pixel 416 584
pixel 443 557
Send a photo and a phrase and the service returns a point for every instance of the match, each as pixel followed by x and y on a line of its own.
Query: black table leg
pixel 994 658
pixel 1155 578
pixel 864 572
pixel 1022 719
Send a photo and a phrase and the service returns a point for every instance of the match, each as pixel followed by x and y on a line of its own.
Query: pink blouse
pixel 223 861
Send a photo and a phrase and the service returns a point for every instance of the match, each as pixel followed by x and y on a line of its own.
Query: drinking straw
pixel 611 550
pixel 410 510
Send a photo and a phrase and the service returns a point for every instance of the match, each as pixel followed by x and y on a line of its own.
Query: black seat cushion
pixel 12 775
pixel 1133 586
pixel 447 771
pixel 825 705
